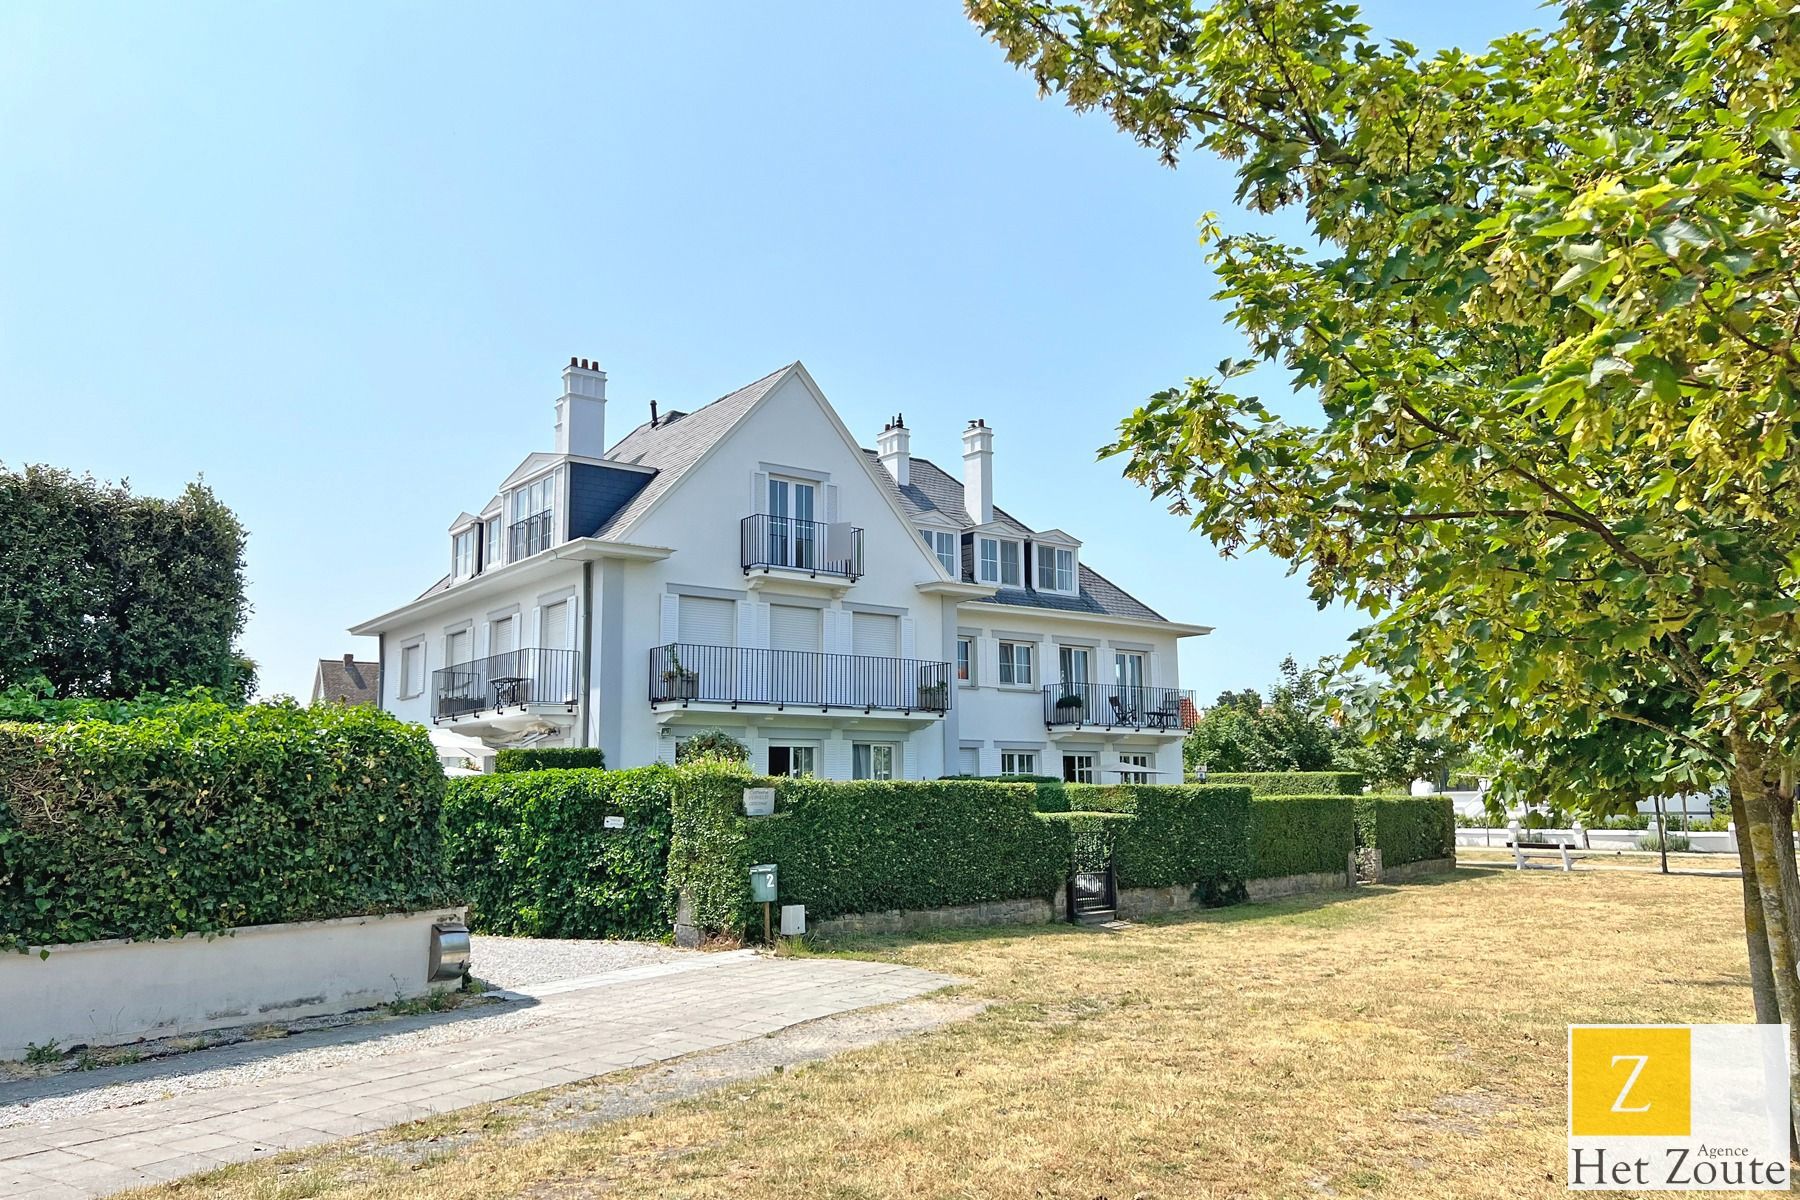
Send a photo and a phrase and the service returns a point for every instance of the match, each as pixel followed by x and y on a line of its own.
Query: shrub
pixel 531 851
pixel 1191 834
pixel 1677 843
pixel 859 847
pixel 544 758
pixel 204 818
pixel 712 743
pixel 1300 835
pixel 1093 837
pixel 1406 828
pixel 1293 783
pixel 1050 794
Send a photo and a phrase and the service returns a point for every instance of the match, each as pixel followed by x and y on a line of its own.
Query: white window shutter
pixel 906 637
pixel 831 502
pixel 990 659
pixel 746 624
pixel 759 492
pixel 671 619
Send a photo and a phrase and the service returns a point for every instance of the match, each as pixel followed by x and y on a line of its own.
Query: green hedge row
pixel 858 847
pixel 1184 834
pixel 536 859
pixel 1292 783
pixel 545 758
pixel 1406 828
pixel 1300 835
pixel 1051 796
pixel 203 818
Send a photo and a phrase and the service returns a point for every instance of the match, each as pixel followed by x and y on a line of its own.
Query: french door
pixel 793 537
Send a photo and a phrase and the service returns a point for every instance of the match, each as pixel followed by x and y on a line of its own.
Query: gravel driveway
pixel 520 962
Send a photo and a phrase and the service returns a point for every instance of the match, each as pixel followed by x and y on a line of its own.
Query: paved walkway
pixel 589 1026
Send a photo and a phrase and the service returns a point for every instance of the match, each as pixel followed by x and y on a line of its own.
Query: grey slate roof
pixel 934 492
pixel 675 443
pixel 351 683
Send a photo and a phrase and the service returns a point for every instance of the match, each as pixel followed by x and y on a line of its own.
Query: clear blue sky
pixel 333 256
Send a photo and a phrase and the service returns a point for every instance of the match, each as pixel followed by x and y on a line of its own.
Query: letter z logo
pixel 1630 1081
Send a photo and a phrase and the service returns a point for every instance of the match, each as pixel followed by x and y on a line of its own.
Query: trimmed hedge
pixel 1050 794
pixel 1406 828
pixel 546 758
pixel 203 818
pixel 1184 834
pixel 1300 835
pixel 533 854
pixel 1292 783
pixel 866 846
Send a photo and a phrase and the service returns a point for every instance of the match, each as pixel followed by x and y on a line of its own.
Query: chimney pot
pixel 581 410
pixel 349 661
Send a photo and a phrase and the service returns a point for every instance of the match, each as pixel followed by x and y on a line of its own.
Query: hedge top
pixel 1292 783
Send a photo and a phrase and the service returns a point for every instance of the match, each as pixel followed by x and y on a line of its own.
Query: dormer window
pixel 945 546
pixel 493 555
pixel 1055 570
pixel 532 513
pixel 462 553
pixel 1000 560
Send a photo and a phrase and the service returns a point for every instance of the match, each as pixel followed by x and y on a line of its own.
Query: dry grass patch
pixel 1404 1042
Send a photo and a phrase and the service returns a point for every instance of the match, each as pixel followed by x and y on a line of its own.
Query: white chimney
pixel 895 448
pixel 581 410
pixel 978 472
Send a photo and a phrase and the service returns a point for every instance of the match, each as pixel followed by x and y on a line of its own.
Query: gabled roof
pixel 536 461
pixel 934 492
pixel 350 682
pixel 675 443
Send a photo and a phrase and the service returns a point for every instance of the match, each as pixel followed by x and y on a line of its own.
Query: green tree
pixel 1549 304
pixel 1288 732
pixel 107 594
pixel 712 744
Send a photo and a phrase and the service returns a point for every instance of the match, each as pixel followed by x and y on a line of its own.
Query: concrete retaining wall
pixel 114 992
pixel 993 912
pixel 1297 885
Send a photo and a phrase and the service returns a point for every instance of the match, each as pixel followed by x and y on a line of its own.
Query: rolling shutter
pixel 706 621
pixel 875 633
pixel 792 627
pixel 554 620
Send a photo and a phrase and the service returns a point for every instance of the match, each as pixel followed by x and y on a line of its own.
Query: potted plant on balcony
pixel 1069 708
pixel 679 683
pixel 934 697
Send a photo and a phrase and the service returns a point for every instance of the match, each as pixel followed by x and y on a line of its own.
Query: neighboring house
pixel 748 566
pixel 346 681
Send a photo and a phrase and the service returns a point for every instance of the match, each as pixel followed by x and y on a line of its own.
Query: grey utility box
pixel 762 882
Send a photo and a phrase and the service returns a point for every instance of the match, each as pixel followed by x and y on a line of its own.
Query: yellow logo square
pixel 1631 1081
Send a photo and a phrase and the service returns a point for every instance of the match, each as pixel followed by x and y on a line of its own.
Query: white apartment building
pixel 747 566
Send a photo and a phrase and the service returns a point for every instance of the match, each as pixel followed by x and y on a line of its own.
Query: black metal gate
pixel 1093 885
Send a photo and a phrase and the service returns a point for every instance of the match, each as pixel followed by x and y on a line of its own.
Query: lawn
pixel 1405 1041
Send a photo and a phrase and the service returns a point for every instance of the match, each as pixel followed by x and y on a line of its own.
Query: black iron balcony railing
pixel 506 681
pixel 527 537
pixel 797 679
pixel 1117 706
pixel 814 546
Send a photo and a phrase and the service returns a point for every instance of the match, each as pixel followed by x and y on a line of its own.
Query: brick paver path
pixel 591 1027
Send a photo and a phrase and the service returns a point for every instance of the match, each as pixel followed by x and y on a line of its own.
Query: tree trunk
pixel 1769 813
pixel 1756 934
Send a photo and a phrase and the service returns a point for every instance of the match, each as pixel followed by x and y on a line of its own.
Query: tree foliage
pixel 1550 305
pixel 106 594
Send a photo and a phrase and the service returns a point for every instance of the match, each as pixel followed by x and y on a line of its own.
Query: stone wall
pixel 1297 885
pixel 1412 870
pixel 1033 911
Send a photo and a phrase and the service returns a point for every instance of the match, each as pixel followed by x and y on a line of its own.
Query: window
pixel 1056 569
pixel 1074 663
pixel 456 648
pixel 1134 768
pixel 968 760
pixel 1078 768
pixel 1129 668
pixel 999 562
pixel 871 760
pixel 965 660
pixel 791 760
pixel 493 556
pixel 793 535
pixel 462 553
pixel 944 545
pixel 1015 663
pixel 1018 762
pixel 875 634
pixel 412 669
pixel 533 513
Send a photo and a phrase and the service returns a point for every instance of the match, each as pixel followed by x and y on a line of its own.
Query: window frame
pixel 464 553
pixel 416 646
pixel 964 666
pixel 872 750
pixel 1052 557
pixel 1136 771
pixel 1026 759
pixel 946 547
pixel 1074 772
pixel 1010 664
pixel 998 575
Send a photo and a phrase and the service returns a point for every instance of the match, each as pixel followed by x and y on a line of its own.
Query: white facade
pixel 749 567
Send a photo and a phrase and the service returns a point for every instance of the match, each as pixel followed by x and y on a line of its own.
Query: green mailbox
pixel 762 883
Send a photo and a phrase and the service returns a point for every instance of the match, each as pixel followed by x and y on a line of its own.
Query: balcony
pixel 509 685
pixel 528 537
pixel 1113 707
pixel 812 548
pixel 686 674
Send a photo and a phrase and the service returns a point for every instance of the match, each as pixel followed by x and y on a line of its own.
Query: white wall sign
pixel 759 801
pixel 615 822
